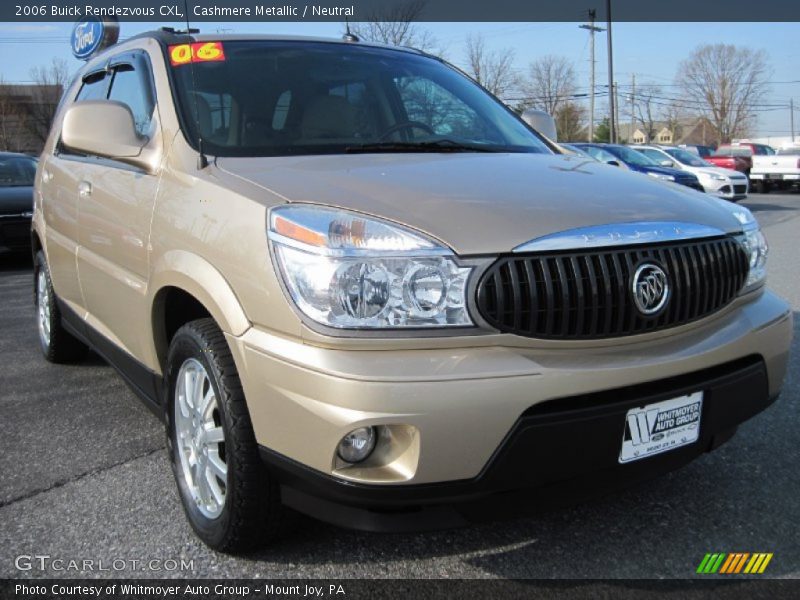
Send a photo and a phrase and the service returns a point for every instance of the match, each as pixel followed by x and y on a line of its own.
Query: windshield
pixel 17 171
pixel 686 158
pixel 633 157
pixel 273 98
pixel 576 150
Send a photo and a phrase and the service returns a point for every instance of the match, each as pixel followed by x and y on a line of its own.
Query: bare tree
pixel 647 110
pixel 493 69
pixel 674 115
pixel 13 118
pixel 395 26
pixel 726 82
pixel 550 83
pixel 8 116
pixel 49 83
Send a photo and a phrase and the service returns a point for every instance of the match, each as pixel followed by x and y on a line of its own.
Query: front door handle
pixel 84 189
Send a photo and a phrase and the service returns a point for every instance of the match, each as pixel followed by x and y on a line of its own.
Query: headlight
pixel 717 177
pixel 661 176
pixel 347 270
pixel 754 242
pixel 756 245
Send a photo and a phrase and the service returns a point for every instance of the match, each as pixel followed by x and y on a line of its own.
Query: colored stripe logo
pixel 734 562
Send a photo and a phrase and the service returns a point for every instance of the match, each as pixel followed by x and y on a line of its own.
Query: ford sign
pixel 91 36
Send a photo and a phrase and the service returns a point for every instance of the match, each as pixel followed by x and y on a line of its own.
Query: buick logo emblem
pixel 650 288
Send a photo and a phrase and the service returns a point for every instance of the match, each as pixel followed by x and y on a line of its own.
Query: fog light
pixel 357 445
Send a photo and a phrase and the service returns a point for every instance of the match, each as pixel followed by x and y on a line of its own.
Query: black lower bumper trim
pixel 15 233
pixel 534 468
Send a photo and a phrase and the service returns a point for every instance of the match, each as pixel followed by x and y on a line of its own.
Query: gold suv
pixel 353 283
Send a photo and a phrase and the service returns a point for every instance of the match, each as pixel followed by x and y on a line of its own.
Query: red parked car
pixel 738 158
pixel 738 155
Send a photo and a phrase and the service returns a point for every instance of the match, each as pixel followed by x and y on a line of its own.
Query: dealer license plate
pixel 661 427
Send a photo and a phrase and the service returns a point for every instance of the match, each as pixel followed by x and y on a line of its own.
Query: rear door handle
pixel 84 189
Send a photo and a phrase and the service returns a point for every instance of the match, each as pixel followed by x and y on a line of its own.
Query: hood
pixel 480 203
pixel 721 171
pixel 15 199
pixel 676 173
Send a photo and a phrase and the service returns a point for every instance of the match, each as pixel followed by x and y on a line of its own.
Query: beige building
pixel 686 131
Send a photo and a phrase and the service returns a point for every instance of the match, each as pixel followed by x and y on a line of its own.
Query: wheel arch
pixel 187 287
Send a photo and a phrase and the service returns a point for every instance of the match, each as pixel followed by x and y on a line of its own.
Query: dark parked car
pixel 700 150
pixel 579 151
pixel 622 156
pixel 16 200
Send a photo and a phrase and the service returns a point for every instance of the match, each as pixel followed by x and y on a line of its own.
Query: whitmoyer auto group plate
pixel 661 427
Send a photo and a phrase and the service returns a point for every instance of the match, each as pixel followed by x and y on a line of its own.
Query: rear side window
pixel 128 87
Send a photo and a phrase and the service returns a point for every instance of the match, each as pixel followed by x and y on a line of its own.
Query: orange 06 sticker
pixel 183 54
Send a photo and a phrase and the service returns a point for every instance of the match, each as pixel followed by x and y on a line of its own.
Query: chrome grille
pixel 587 294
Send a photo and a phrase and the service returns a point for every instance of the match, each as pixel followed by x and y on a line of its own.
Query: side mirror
pixel 666 163
pixel 104 128
pixel 541 122
pixel 613 163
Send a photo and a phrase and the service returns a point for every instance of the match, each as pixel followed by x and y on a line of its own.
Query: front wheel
pixel 231 502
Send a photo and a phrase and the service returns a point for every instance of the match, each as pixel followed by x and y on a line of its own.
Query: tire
pixel 58 345
pixel 232 511
pixel 762 187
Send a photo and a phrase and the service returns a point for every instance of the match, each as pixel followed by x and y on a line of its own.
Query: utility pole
pixel 633 115
pixel 592 30
pixel 611 100
pixel 616 107
pixel 791 116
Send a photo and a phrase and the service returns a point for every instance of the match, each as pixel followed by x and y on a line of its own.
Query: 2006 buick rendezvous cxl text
pixel 354 283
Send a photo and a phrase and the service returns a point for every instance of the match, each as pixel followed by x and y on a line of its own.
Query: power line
pixel 681 85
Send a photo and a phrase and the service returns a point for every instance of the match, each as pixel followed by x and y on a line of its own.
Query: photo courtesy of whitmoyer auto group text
pixel 364 299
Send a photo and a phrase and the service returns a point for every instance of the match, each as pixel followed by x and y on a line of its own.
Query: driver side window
pixel 127 87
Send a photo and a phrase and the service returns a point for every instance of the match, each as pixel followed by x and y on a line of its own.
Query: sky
pixel 649 51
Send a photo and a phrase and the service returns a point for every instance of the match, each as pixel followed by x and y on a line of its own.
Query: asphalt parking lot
pixel 84 476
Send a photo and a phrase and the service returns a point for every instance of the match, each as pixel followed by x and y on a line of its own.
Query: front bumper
pixel 557 453
pixel 491 422
pixel 731 189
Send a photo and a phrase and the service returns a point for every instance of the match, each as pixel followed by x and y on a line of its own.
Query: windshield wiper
pixel 432 146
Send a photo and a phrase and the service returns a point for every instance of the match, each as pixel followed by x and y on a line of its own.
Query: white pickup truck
pixel 779 171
